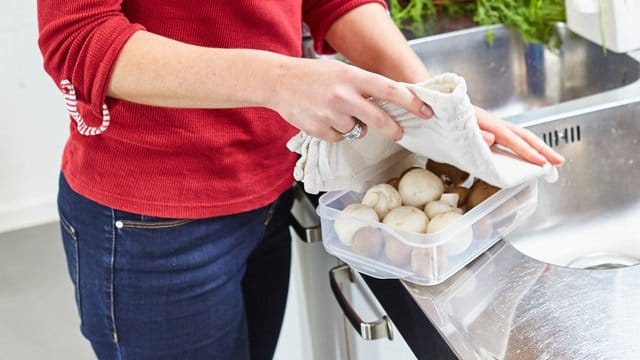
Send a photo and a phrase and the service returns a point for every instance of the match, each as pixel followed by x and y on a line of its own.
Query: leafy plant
pixel 534 19
pixel 410 15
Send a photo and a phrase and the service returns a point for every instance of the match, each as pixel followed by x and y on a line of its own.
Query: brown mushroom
pixel 479 192
pixel 448 173
pixel 394 182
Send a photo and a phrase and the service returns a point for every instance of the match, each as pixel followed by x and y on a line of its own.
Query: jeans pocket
pixel 152 223
pixel 70 243
pixel 280 207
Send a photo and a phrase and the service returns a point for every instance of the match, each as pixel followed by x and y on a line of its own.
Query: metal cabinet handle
pixel 308 234
pixel 368 330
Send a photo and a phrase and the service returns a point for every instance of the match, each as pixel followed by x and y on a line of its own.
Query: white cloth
pixel 325 166
pixel 452 136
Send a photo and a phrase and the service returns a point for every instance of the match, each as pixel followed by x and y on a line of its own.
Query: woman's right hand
pixel 323 98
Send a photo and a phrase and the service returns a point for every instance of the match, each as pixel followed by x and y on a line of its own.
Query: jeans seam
pixel 77 279
pixel 111 281
pixel 71 231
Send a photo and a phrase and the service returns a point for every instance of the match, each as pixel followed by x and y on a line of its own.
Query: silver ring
pixel 354 133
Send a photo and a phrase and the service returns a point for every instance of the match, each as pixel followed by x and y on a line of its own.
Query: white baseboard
pixel 26 215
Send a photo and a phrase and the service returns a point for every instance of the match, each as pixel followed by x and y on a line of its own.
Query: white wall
pixel 33 123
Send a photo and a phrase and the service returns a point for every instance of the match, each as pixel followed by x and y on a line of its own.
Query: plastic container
pixel 424 259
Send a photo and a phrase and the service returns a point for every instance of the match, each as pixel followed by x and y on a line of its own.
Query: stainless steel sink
pixel 590 218
pixel 510 77
pixel 583 102
pixel 510 303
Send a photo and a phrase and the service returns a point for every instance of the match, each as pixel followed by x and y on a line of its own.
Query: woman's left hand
pixel 515 138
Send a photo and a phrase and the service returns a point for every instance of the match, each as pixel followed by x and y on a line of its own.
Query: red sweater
pixel 168 162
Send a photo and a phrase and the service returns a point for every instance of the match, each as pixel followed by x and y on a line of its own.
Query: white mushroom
pixel 435 208
pixel 382 198
pixel 346 225
pixel 419 186
pixel 457 244
pixel 406 218
pixel 450 198
pixel 462 193
pixel 396 251
pixel 368 242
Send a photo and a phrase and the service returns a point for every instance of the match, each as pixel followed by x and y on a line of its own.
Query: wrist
pixel 281 75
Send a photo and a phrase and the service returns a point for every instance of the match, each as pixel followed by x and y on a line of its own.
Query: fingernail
pixel 426 111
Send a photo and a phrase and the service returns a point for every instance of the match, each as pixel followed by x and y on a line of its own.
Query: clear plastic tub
pixel 424 259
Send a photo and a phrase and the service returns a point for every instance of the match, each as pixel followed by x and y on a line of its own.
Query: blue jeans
pixel 156 288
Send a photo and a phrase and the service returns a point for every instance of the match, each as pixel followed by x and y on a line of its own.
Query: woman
pixel 174 188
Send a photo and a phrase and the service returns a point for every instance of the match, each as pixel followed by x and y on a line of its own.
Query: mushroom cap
pixel 396 251
pixel 435 208
pixel 368 242
pixel 450 198
pixel 419 186
pixel 462 192
pixel 407 218
pixel 345 225
pixel 382 198
pixel 448 173
pixel 457 244
pixel 479 192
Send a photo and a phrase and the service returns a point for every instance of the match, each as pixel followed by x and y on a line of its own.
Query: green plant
pixel 410 15
pixel 534 19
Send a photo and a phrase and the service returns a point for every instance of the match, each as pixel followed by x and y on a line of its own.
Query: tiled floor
pixel 38 318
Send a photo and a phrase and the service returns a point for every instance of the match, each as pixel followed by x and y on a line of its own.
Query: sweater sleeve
pixel 319 15
pixel 80 42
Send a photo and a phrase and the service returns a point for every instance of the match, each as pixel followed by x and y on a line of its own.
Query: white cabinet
pixel 369 310
pixel 315 327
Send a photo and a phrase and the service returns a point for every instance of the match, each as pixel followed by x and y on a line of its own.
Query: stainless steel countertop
pixel 506 305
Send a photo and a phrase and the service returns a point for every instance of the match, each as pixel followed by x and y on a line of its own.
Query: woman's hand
pixel 323 98
pixel 517 139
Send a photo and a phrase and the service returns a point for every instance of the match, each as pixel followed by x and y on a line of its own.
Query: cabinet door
pixel 315 326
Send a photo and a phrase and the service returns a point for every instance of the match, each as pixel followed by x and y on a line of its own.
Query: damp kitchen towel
pixel 452 136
